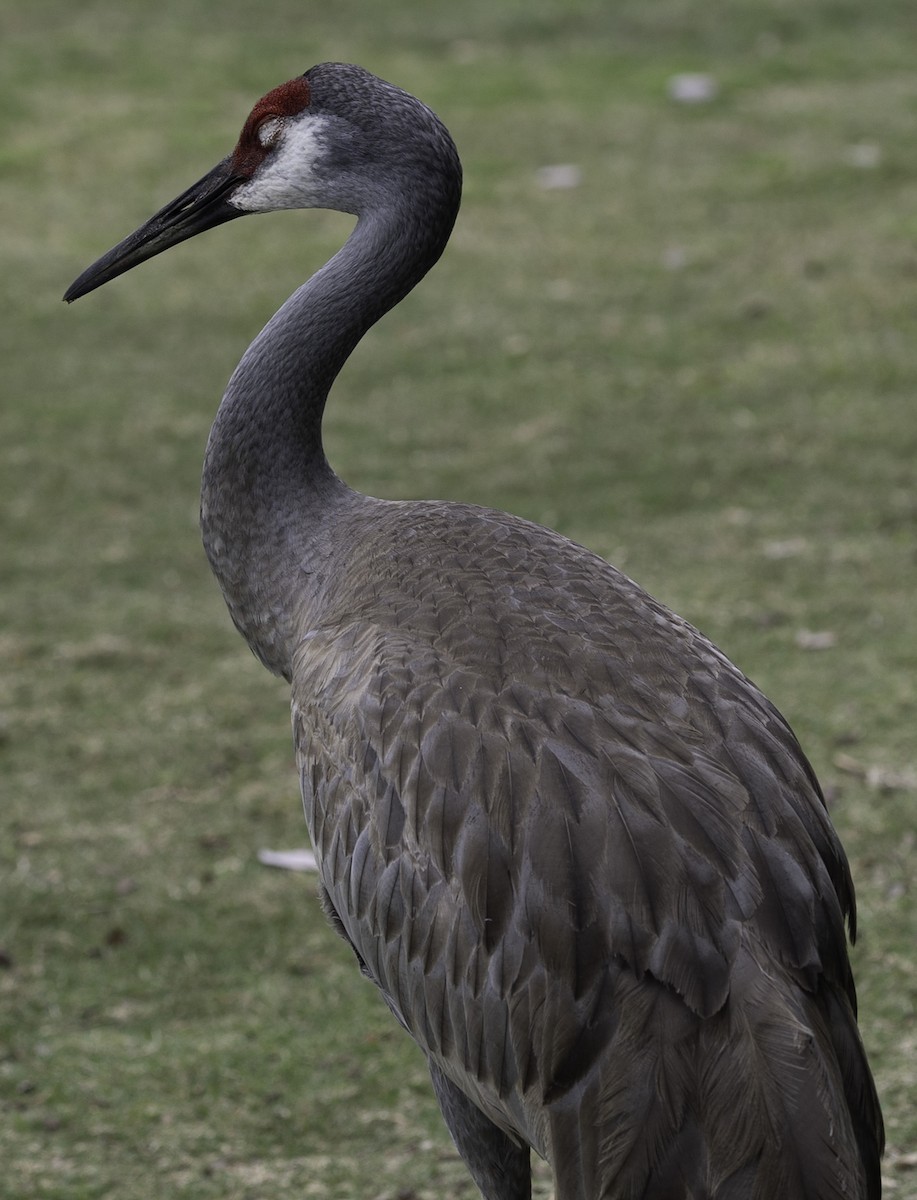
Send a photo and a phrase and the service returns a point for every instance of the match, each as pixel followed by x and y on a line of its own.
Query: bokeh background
pixel 677 321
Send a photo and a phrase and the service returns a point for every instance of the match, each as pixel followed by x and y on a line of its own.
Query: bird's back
pixel 584 859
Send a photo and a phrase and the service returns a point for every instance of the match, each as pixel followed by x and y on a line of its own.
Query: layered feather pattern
pixel 586 863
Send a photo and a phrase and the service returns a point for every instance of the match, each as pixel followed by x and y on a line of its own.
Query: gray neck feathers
pixel 269 499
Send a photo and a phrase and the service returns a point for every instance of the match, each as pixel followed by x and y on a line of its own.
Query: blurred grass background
pixel 701 361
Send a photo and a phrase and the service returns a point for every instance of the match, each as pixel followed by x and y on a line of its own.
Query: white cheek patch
pixel 285 179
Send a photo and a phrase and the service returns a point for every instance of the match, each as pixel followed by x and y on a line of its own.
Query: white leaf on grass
pixel 288 860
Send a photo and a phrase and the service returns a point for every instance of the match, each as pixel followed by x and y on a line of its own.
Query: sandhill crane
pixel 582 857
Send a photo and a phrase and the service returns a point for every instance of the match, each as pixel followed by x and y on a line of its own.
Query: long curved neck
pixel 269 498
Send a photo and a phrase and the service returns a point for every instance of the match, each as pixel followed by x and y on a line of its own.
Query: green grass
pixel 702 362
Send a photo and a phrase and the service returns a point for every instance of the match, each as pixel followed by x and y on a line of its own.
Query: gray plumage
pixel 580 854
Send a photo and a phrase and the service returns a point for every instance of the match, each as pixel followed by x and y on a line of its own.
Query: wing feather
pixel 554 823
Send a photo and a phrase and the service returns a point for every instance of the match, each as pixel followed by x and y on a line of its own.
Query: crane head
pixel 336 137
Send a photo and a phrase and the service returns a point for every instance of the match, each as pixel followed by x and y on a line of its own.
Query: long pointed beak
pixel 201 207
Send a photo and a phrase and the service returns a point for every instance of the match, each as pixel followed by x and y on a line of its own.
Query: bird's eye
pixel 269 131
